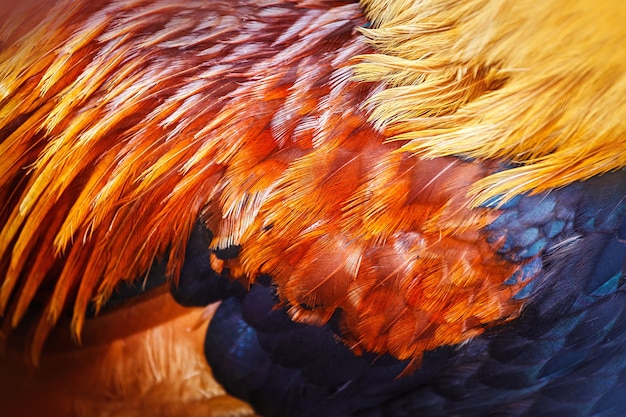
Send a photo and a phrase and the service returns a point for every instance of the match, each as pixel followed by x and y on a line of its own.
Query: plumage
pixel 538 85
pixel 414 208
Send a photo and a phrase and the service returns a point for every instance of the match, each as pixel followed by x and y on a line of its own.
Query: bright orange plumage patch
pixel 122 122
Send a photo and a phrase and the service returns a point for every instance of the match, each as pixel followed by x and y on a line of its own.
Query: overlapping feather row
pixel 119 131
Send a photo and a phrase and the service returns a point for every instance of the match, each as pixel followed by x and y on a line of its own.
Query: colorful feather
pixel 420 190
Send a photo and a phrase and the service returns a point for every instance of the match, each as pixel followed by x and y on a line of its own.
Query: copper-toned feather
pixel 153 363
pixel 123 122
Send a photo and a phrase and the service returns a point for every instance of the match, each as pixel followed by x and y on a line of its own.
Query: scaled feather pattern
pixel 428 190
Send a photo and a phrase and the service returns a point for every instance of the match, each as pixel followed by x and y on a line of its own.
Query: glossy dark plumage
pixel 564 356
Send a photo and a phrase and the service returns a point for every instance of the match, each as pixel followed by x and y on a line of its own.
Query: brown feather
pixel 152 364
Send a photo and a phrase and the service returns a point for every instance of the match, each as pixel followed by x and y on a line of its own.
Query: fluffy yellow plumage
pixel 539 84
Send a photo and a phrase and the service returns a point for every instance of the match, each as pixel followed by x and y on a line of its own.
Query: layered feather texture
pixel 536 83
pixel 564 356
pixel 128 121
pixel 382 192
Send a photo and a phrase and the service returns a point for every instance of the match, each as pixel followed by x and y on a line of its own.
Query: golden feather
pixel 539 84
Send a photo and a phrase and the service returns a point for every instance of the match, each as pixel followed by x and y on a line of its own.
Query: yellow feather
pixel 540 84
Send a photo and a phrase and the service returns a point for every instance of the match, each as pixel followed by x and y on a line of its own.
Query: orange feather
pixel 123 128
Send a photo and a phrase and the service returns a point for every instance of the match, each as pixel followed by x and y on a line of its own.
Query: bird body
pixel 415 186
